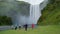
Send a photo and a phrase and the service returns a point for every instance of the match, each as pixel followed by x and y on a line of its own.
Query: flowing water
pixel 34 13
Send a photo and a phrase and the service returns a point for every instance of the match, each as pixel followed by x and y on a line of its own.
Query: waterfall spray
pixel 21 18
pixel 35 10
pixel 35 13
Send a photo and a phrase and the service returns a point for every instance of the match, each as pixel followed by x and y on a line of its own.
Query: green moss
pixel 50 14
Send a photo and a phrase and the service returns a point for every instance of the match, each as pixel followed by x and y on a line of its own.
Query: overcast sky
pixel 33 2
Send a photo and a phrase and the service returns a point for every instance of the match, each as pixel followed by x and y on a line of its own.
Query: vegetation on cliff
pixel 51 14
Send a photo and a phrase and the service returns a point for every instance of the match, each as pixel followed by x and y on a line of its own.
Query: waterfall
pixel 35 13
pixel 21 18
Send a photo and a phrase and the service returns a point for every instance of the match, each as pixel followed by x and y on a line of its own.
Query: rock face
pixel 20 13
pixel 23 8
pixel 20 16
pixel 9 7
pixel 15 10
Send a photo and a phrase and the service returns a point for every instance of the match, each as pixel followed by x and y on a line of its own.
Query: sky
pixel 33 2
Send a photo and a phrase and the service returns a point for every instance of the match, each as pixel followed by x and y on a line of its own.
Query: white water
pixel 34 15
pixel 35 11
